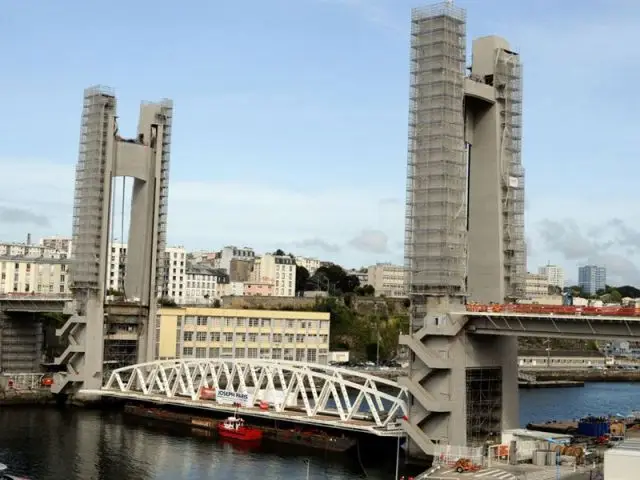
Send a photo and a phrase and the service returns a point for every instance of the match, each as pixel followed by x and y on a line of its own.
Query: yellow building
pixel 194 332
pixel 34 275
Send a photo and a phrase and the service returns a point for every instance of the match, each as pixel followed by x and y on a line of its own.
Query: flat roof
pixel 523 432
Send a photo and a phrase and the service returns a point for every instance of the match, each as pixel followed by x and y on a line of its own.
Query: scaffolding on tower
pixel 508 84
pixel 436 209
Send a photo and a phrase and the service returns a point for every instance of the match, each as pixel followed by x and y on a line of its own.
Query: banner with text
pixel 227 397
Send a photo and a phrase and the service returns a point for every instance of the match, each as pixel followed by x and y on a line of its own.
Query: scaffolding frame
pixel 508 84
pixel 436 208
pixel 484 404
pixel 89 205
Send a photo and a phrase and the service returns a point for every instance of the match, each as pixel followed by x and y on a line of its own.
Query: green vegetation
pixel 356 326
pixel 610 294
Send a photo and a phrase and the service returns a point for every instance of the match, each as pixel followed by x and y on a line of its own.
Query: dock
pixel 551 384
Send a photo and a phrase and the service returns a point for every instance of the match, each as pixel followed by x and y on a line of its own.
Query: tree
pixel 366 291
pixel 279 253
pixel 348 283
pixel 629 291
pixel 554 290
pixel 302 277
pixel 334 279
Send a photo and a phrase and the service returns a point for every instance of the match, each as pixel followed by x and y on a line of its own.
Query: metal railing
pixel 24 381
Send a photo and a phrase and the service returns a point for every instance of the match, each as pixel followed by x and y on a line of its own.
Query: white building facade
pixel 554 275
pixel 536 285
pixel 223 257
pixel 279 270
pixel 34 275
pixel 311 264
pixel 387 279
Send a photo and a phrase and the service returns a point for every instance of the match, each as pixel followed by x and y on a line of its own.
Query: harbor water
pixel 47 443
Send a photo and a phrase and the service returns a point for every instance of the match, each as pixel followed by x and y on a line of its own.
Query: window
pixel 252 353
pixel 254 322
pixel 201 336
pixel 253 337
pixel 202 320
pixel 240 322
pixel 300 355
pixel 299 338
pixel 266 322
pixel 311 355
pixel 228 337
pixel 188 336
pixel 187 352
pixel 214 336
pixel 241 337
pixel 201 352
pixel 214 352
pixel 277 338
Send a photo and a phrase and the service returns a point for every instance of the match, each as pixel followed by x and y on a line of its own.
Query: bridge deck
pixel 324 420
pixel 596 327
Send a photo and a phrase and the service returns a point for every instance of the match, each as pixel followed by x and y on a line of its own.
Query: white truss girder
pixel 305 386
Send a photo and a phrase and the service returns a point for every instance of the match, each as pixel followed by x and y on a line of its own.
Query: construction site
pixel 464 236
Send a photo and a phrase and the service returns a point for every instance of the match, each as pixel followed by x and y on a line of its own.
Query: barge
pixel 309 438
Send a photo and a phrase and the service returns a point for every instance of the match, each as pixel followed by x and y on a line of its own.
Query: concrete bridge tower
pixel 105 155
pixel 464 237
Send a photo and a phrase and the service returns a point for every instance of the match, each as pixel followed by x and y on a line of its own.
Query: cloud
pixel 371 241
pixel 22 216
pixel 317 244
pixel 612 245
pixel 211 214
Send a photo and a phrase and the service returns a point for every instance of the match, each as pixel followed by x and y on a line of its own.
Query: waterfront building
pixel 195 332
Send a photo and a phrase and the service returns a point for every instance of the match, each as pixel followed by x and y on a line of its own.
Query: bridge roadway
pixel 533 320
pixel 297 392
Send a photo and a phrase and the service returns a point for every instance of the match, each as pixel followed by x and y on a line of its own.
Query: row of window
pixel 297 354
pixel 252 337
pixel 251 322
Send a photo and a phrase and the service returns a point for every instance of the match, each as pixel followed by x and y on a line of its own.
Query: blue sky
pixel 291 119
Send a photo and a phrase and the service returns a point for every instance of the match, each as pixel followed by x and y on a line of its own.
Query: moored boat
pixel 235 428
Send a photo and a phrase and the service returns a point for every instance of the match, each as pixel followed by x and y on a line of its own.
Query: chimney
pixel 28 239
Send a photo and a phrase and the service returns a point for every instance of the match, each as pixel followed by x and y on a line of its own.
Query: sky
pixel 290 126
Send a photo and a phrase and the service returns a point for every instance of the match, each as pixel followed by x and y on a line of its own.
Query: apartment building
pixel 227 333
pixel 58 244
pixel 38 275
pixel 260 289
pixel 117 262
pixel 311 264
pixel 203 284
pixel 279 270
pixel 592 278
pixel 536 285
pixel 223 257
pixel 27 249
pixel 387 279
pixel 554 275
pixel 240 270
pixel 175 273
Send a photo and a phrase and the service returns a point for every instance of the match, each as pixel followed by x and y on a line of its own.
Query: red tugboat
pixel 234 428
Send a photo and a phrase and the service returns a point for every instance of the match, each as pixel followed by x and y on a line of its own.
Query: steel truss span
pixel 302 387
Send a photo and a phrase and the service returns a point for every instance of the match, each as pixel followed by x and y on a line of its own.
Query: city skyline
pixel 348 97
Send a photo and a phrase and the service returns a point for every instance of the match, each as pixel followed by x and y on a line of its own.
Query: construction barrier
pixel 448 455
